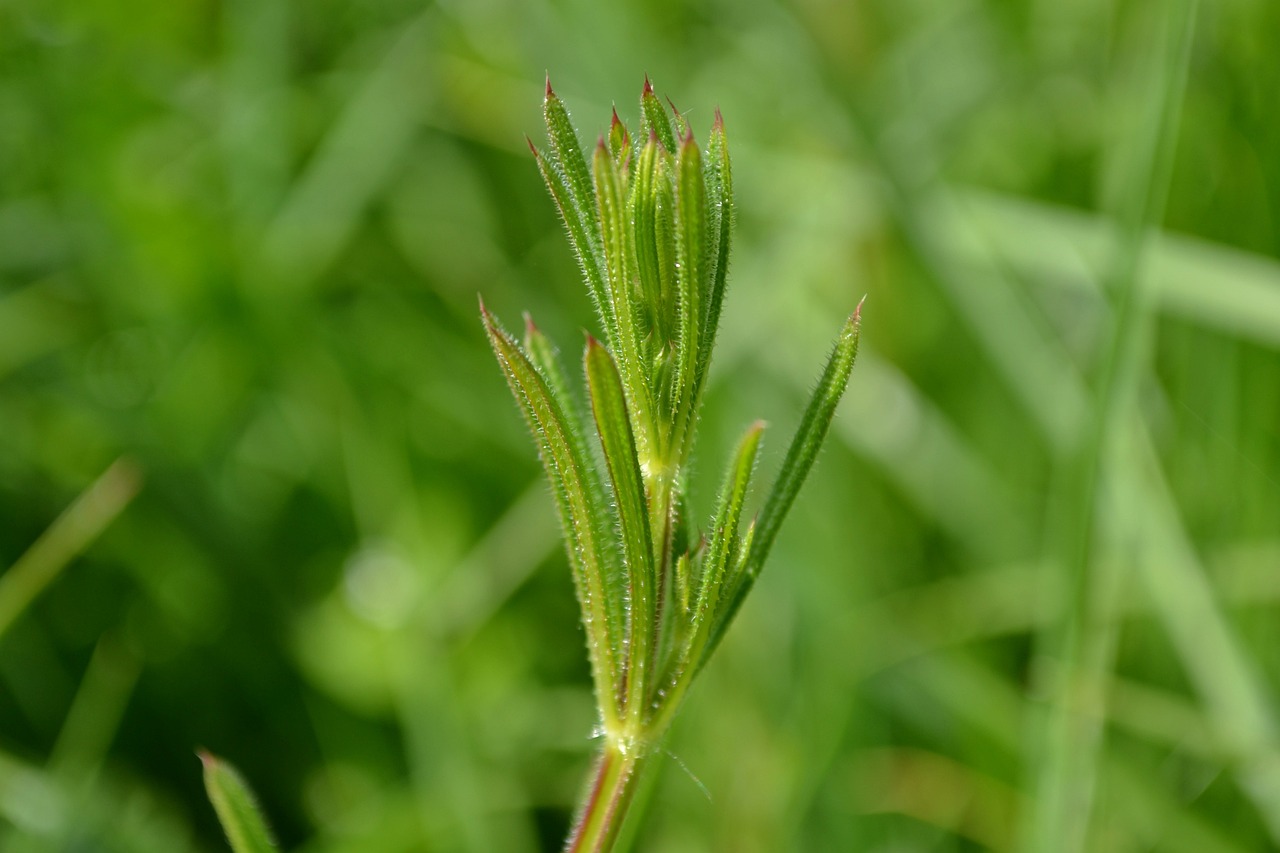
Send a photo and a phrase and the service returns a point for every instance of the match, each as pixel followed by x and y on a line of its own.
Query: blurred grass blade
pixel 655 119
pixel 81 523
pixel 608 402
pixel 237 810
pixel 582 512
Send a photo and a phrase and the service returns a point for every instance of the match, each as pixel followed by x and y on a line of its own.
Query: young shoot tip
pixel 550 92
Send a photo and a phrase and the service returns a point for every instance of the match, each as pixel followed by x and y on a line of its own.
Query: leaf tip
pixel 648 88
pixel 718 124
pixel 530 327
pixel 550 92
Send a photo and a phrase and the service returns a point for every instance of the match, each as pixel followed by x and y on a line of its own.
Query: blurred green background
pixel 1027 600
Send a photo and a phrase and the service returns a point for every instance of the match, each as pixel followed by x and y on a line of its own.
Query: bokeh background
pixel 1028 599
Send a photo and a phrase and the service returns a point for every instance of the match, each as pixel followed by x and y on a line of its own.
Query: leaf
pixel 615 229
pixel 236 808
pixel 691 227
pixel 608 402
pixel 797 464
pixel 583 513
pixel 619 141
pixel 721 550
pixel 583 237
pixel 719 229
pixel 566 149
pixel 654 118
pixel 650 214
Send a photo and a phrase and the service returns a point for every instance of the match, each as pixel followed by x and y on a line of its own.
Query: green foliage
pixel 240 246
pixel 237 810
pixel 664 220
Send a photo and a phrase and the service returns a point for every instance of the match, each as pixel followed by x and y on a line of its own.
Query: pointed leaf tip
pixel 550 92
pixel 530 327
pixel 718 124
pixel 616 121
pixel 648 87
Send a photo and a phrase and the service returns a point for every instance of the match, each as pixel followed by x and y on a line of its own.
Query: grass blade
pixel 582 513
pixel 237 810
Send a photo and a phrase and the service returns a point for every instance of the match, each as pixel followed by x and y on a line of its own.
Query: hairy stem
pixel 613 785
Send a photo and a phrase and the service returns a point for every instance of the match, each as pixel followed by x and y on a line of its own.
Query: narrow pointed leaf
pixel 583 237
pixel 655 119
pixel 720 552
pixel 615 229
pixel 800 456
pixel 619 140
pixel 583 513
pixel 236 808
pixel 566 149
pixel 691 229
pixel 719 232
pixel 608 403
pixel 642 211
pixel 542 352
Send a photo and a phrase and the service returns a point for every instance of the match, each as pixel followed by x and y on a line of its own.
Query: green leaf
pixel 652 239
pixel 584 514
pixel 566 149
pixel 691 229
pixel 719 228
pixel 583 237
pixel 619 141
pixel 799 460
pixel 615 229
pixel 236 808
pixel 721 552
pixel 654 118
pixel 608 402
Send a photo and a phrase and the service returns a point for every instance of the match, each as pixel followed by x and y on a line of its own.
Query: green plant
pixel 650 223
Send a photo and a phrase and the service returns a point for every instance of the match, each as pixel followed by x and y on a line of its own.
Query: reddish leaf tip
pixel 530 327
pixel 648 87
pixel 857 312
pixel 719 122
pixel 616 121
pixel 601 145
pixel 206 757
pixel 674 108
pixel 550 92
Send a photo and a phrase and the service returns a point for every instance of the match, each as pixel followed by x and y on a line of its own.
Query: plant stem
pixel 613 784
